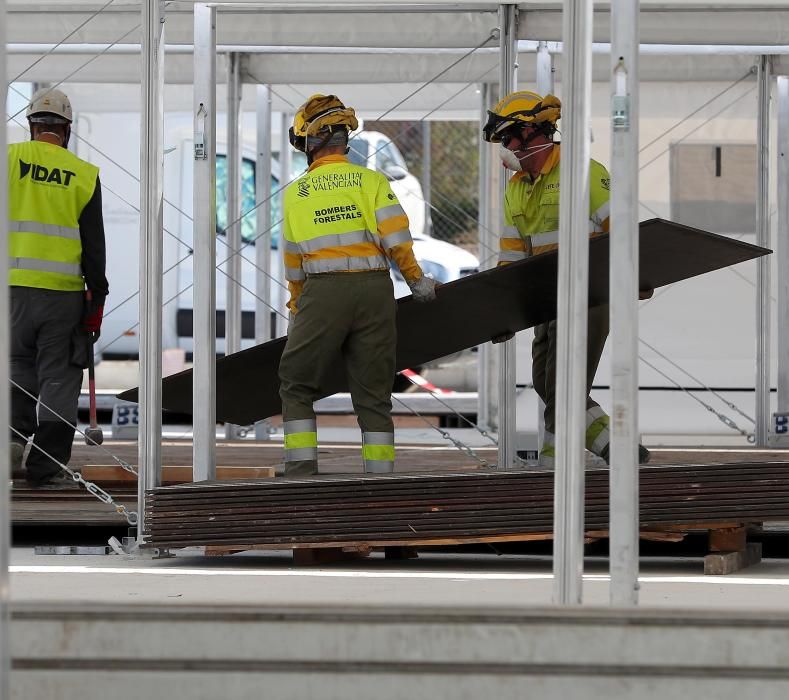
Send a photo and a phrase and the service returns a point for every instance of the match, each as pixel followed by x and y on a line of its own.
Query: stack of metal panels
pixel 446 507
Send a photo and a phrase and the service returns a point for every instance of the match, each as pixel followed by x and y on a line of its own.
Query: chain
pixel 728 422
pixel 474 425
pixel 444 434
pixel 131 516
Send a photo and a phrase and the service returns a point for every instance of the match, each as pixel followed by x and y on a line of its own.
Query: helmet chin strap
pixel 514 160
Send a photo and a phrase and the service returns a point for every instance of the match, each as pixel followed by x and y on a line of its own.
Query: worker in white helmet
pixel 57 284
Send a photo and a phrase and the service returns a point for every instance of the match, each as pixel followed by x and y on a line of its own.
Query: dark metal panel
pixel 468 312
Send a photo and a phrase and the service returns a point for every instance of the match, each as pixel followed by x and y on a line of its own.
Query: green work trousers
pixel 543 355
pixel 345 322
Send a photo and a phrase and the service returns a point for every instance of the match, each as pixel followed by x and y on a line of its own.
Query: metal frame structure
pixel 5 516
pixel 204 378
pixel 572 305
pixel 763 290
pixel 623 294
pixel 151 254
pixel 573 275
pixel 508 76
pixel 782 243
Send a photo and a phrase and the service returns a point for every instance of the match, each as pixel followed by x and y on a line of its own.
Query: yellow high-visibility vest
pixel 531 210
pixel 48 187
pixel 341 217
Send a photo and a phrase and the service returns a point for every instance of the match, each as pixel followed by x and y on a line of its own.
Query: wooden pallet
pixel 729 549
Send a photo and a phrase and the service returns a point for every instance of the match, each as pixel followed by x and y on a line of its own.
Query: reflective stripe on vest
pixel 331 218
pixel 317 266
pixel 48 189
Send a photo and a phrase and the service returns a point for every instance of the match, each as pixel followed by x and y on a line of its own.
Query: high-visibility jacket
pixel 341 217
pixel 531 210
pixel 48 187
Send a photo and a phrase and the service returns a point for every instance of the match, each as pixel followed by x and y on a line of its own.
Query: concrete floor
pixel 432 580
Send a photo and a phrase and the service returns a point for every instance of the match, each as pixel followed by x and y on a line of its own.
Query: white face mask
pixel 513 160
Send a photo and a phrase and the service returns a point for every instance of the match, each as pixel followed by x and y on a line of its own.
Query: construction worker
pixel 342 227
pixel 57 285
pixel 524 124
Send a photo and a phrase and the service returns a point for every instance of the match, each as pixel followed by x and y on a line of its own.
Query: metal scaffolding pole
pixel 508 79
pixel 427 174
pixel 233 227
pixel 572 306
pixel 545 75
pixel 149 446
pixel 5 512
pixel 489 170
pixel 623 294
pixel 262 230
pixel 204 377
pixel 284 178
pixel 782 244
pixel 763 264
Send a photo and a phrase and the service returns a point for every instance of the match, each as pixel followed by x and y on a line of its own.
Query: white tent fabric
pixel 397 23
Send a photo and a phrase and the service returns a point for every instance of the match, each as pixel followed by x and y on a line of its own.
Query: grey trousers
pixel 544 360
pixel 45 344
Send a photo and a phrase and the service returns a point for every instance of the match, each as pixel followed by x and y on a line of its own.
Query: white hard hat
pixel 50 101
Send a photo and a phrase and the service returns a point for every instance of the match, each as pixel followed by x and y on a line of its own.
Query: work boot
pixel 547 458
pixel 16 451
pixel 298 469
pixel 55 482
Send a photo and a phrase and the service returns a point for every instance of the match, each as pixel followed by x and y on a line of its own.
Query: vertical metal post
pixel 204 376
pixel 623 294
pixel 763 263
pixel 284 179
pixel 5 512
pixel 233 232
pixel 508 75
pixel 427 174
pixel 572 307
pixel 263 229
pixel 489 170
pixel 545 77
pixel 149 446
pixel 782 243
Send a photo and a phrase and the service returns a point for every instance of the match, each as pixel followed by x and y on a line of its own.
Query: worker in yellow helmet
pixel 57 284
pixel 342 227
pixel 524 124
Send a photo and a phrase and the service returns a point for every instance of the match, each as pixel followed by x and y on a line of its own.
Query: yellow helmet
pixel 523 108
pixel 49 102
pixel 319 113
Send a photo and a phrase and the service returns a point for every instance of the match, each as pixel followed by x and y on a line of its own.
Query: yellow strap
pixel 296 441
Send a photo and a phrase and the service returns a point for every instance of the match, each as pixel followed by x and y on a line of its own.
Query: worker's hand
pixel 423 289
pixel 502 337
pixel 645 294
pixel 92 317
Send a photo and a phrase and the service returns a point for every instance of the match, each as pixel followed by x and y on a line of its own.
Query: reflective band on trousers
pixel 44 266
pixel 334 240
pixel 301 440
pixel 43 229
pixel 344 264
pixel 597 434
pixel 378 452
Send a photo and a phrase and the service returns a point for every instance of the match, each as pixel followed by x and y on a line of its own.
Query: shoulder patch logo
pixel 391 196
pixel 304 187
pixel 606 182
